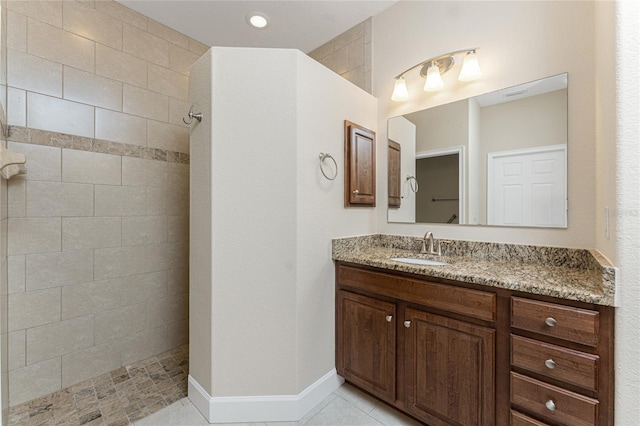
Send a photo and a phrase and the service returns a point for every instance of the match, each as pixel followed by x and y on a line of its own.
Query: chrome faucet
pixel 428 238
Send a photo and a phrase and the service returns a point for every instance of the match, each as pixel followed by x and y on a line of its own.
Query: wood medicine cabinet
pixel 393 155
pixel 360 166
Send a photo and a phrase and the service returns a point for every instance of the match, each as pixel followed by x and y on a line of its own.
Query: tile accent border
pixel 265 408
pixel 80 143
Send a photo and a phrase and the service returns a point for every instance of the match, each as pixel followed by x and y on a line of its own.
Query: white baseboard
pixel 272 408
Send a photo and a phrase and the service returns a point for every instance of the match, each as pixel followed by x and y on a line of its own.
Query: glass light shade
pixel 434 79
pixel 470 67
pixel 400 92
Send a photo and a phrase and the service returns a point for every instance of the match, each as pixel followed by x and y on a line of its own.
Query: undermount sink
pixel 415 261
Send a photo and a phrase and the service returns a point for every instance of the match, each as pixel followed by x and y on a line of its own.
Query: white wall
pixel 266 266
pixel 519 42
pixel 403 131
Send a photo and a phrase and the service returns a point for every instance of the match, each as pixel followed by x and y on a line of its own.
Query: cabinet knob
pixel 550 321
pixel 407 324
pixel 551 406
pixel 356 192
pixel 551 364
pixel 389 318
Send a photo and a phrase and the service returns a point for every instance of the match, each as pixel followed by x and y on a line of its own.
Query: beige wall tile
pixel 167 136
pixel 17 349
pixel 338 61
pixel 92 24
pixel 86 233
pixel 142 288
pixel 144 345
pixel 120 323
pixel 58 269
pixel 88 88
pixel 33 73
pixel 16 31
pixel 177 255
pixel 89 363
pixel 17 198
pixel 48 11
pixel 356 53
pixel 167 201
pixel 17 107
pixel 132 260
pixel 79 300
pixel 179 174
pixel 16 274
pixel 91 167
pixel 145 46
pixel 53 340
pixel 58 115
pixel 59 199
pixel 120 66
pixel 44 162
pixel 121 12
pixel 177 111
pixel 178 228
pixel 34 235
pixel 120 201
pixel 34 308
pixel 350 36
pixel 180 60
pixel 119 127
pixel 167 310
pixel 145 103
pixel 168 82
pixel 168 34
pixel 197 47
pixel 141 230
pixel 178 333
pixel 356 76
pixel 142 172
pixel 178 281
pixel 33 381
pixel 60 46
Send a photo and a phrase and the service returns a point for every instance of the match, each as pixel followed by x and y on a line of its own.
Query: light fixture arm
pixel 436 59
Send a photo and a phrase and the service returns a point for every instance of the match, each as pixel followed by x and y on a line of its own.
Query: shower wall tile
pixel 89 23
pixel 145 287
pixel 16 31
pixel 17 107
pixel 120 201
pixel 178 228
pixel 167 310
pixel 88 88
pixel 90 298
pixel 177 111
pixel 16 273
pixel 180 60
pixel 59 115
pixel 119 323
pixel 145 344
pixel 34 308
pixel 34 380
pixel 167 34
pixel 85 233
pixel 46 11
pixel 91 167
pixel 59 199
pixel 141 172
pixel 134 260
pixel 167 136
pixel 53 340
pixel 144 230
pixel 35 74
pixel 178 281
pixel 145 46
pixel 45 162
pixel 34 235
pixel 172 83
pixel 88 363
pixel 120 66
pixel 17 349
pixel 119 127
pixel 122 13
pixel 60 46
pixel 58 269
pixel 178 333
pixel 167 201
pixel 145 103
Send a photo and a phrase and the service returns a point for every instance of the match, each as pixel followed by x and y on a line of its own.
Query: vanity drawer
pixel 552 403
pixel 519 419
pixel 564 322
pixel 560 363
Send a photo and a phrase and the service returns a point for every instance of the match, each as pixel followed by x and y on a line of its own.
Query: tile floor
pixel 346 406
pixel 120 397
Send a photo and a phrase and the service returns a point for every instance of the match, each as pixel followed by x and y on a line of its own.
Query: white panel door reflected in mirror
pixel 508 149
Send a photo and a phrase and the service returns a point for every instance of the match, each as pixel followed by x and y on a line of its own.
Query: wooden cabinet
pixel 450 353
pixel 360 166
pixel 393 173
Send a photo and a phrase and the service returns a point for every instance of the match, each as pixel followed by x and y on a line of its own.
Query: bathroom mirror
pixel 497 159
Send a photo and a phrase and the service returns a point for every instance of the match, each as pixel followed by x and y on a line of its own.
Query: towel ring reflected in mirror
pixel 323 156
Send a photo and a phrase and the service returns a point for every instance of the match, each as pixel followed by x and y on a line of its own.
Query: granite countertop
pixel 573 274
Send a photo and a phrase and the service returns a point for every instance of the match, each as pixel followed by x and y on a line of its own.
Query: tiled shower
pixel 97 231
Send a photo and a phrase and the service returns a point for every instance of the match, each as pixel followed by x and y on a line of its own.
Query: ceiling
pixel 299 24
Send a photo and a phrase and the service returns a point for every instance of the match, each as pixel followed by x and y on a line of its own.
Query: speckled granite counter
pixel 573 274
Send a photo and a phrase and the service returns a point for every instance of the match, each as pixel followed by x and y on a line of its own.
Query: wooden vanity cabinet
pixel 450 353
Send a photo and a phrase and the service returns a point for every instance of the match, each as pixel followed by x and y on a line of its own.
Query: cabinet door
pixel 393 173
pixel 360 165
pixel 366 339
pixel 449 370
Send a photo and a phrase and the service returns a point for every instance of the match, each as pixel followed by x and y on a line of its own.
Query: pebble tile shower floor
pixel 120 397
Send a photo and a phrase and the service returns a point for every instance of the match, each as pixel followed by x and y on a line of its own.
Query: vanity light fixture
pixel 432 69
pixel 257 20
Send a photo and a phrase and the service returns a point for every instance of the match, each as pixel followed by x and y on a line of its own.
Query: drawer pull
pixel 550 321
pixel 389 318
pixel 407 324
pixel 551 406
pixel 551 364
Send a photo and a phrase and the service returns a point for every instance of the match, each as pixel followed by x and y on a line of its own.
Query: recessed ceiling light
pixel 258 20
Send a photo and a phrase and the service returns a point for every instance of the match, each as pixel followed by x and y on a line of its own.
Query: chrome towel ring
pixel 323 156
pixel 413 183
